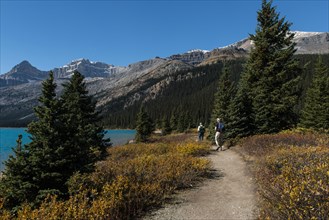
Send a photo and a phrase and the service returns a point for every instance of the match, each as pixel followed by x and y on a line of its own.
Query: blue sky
pixel 52 33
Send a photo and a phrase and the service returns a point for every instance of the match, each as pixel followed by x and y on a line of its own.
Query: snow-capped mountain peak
pixel 87 68
pixel 303 34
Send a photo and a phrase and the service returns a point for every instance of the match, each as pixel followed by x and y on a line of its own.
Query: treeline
pixel 193 97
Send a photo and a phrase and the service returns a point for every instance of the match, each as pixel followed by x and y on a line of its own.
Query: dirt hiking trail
pixel 229 195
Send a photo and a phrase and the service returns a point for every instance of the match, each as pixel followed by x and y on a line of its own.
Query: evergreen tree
pixel 181 122
pixel 45 142
pixel 272 73
pixel 223 97
pixel 187 121
pixel 83 139
pixel 166 129
pixel 315 113
pixel 144 126
pixel 65 139
pixel 158 124
pixel 173 121
pixel 16 183
pixel 240 121
pixel 41 177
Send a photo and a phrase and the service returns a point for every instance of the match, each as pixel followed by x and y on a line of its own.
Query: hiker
pixel 201 131
pixel 219 134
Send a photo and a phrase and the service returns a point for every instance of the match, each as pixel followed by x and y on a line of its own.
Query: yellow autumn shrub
pixel 266 144
pixel 292 173
pixel 131 180
pixel 191 148
pixel 3 213
pixel 296 184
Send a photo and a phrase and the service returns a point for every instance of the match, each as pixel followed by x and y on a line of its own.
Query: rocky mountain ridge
pixel 306 43
pixel 88 68
pixel 23 72
pixel 17 101
pixel 20 87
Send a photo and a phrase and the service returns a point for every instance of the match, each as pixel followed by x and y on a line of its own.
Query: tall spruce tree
pixel 272 73
pixel 144 126
pixel 223 97
pixel 40 176
pixel 45 142
pixel 65 140
pixel 173 121
pixel 181 126
pixel 315 113
pixel 16 183
pixel 240 120
pixel 165 126
pixel 187 121
pixel 83 139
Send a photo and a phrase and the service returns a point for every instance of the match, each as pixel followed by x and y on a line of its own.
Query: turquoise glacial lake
pixel 8 137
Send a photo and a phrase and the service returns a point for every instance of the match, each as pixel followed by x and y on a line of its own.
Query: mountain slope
pixel 23 72
pixel 306 43
pixel 136 79
pixel 117 88
pixel 17 102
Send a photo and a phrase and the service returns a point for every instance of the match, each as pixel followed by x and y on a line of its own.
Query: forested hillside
pixel 190 94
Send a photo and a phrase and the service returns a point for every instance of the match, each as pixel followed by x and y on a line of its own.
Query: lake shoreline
pixel 103 129
pixel 9 135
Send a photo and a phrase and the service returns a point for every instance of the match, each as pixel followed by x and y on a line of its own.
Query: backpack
pixel 220 127
pixel 202 129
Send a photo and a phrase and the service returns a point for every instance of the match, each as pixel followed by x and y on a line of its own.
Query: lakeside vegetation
pixel 133 179
pixel 291 170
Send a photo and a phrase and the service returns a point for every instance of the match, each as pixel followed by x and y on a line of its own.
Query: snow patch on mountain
pixel 302 34
pixel 198 50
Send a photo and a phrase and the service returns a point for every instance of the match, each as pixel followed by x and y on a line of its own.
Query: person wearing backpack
pixel 219 128
pixel 201 130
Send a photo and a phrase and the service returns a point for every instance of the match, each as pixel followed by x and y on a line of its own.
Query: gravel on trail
pixel 230 195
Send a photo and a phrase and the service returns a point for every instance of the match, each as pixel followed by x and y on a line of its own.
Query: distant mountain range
pixel 20 87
